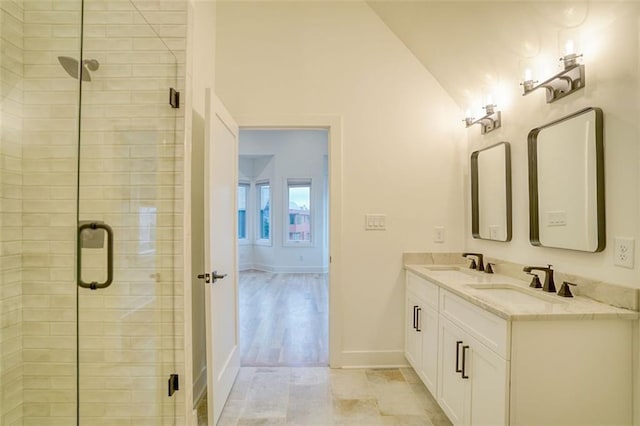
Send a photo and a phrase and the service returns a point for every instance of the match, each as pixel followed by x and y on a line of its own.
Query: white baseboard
pixel 245 267
pixel 285 269
pixel 373 359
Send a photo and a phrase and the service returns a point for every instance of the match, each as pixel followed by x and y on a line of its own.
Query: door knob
pixel 217 276
pixel 206 277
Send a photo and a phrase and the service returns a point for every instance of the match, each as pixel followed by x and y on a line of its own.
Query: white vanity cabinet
pixel 412 342
pixel 473 379
pixel 421 329
pixel 530 370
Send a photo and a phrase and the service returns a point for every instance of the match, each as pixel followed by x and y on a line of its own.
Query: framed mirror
pixel 566 183
pixel 491 193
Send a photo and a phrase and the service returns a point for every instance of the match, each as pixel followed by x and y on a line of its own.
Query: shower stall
pixel 91 302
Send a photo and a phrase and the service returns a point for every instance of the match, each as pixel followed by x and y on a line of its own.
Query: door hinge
pixel 174 384
pixel 174 98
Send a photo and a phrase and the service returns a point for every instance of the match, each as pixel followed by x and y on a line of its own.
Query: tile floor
pixel 322 396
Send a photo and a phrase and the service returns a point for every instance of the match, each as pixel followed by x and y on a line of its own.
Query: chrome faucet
pixel 549 285
pixel 480 265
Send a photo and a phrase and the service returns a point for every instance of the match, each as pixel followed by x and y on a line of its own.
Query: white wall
pixel 285 154
pixel 400 136
pixel 611 60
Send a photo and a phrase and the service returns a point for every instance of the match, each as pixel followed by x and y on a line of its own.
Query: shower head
pixel 70 65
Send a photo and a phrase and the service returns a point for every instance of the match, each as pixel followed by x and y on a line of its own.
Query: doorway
pixel 283 250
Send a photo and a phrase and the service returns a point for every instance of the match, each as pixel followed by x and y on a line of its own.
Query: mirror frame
pixel 534 217
pixel 475 197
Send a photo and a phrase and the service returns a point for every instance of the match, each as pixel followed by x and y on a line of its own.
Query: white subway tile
pixel 108 17
pixel 66 30
pixel 140 30
pixel 160 17
pixel 125 125
pixel 37 30
pixel 12 29
pixel 13 7
pixel 48 44
pixel 104 44
pixel 52 17
pixel 67 5
pixel 32 5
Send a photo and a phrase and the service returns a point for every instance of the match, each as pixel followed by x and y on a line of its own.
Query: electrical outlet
pixel 623 252
pixel 494 232
pixel 438 234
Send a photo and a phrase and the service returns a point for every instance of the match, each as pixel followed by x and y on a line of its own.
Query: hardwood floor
pixel 283 319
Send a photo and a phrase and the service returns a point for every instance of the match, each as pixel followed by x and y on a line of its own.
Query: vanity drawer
pixel 424 289
pixel 488 328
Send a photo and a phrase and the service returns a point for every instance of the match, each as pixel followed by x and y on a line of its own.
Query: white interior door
pixel 221 304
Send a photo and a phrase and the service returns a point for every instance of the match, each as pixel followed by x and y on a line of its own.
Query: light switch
pixel 375 222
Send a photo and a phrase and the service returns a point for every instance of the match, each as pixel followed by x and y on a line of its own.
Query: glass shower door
pixel 130 227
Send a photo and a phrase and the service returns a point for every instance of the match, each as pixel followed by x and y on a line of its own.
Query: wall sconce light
pixel 564 83
pixel 488 123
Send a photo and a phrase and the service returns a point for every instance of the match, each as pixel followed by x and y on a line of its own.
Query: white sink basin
pixel 441 268
pixel 457 274
pixel 508 294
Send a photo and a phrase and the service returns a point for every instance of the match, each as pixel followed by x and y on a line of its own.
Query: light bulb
pixel 487 94
pixel 527 67
pixel 569 48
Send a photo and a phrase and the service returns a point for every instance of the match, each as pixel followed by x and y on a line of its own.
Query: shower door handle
pixel 94 285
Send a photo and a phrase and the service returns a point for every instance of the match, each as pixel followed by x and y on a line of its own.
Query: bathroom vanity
pixel 493 351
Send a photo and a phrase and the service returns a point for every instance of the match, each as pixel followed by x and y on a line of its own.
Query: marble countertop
pixel 529 304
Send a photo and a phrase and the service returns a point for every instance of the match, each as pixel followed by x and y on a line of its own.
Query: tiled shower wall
pixel 11 98
pixel 131 178
pixel 48 212
pixel 39 163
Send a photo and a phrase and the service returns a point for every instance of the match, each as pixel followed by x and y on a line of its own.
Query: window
pixel 243 197
pixel 299 211
pixel 264 215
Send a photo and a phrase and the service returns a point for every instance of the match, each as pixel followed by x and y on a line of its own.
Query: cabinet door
pixel 429 361
pixel 487 374
pixel 412 342
pixel 452 388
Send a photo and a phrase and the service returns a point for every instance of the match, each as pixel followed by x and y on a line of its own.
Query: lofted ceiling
pixel 475 46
